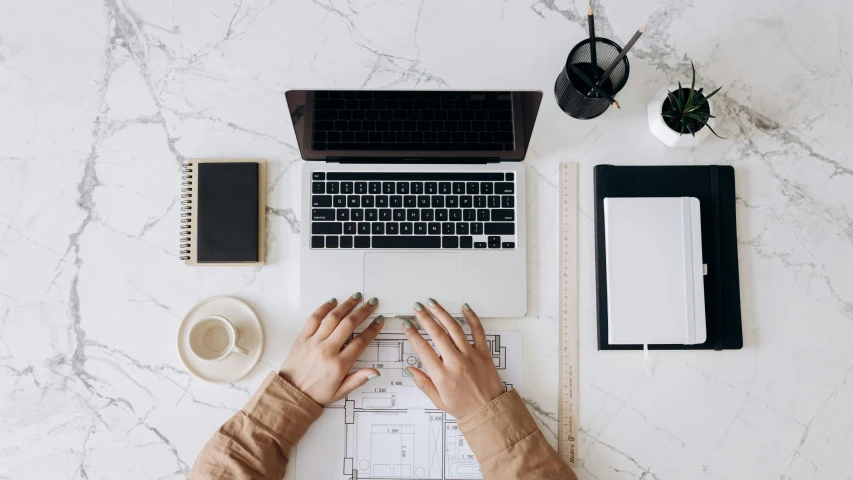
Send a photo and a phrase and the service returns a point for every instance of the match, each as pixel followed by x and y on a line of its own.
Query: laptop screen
pixel 399 125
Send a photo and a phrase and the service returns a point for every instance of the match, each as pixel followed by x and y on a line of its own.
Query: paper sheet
pixel 389 429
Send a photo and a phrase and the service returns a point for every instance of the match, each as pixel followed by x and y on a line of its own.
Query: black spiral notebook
pixel 714 186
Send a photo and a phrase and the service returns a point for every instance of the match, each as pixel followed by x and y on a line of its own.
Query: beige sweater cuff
pixel 496 426
pixel 283 408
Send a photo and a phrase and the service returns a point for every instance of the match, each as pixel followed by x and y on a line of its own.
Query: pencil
pixel 619 57
pixel 595 87
pixel 590 17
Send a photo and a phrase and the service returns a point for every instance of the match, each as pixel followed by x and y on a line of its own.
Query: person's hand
pixel 319 362
pixel 463 378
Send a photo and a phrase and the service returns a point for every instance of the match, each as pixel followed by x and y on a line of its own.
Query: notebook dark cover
pixel 227 212
pixel 714 186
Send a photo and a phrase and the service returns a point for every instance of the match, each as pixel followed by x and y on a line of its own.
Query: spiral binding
pixel 186 210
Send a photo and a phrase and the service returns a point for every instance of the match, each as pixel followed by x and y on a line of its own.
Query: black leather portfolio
pixel 714 186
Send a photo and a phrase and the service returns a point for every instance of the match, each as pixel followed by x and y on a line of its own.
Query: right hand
pixel 463 378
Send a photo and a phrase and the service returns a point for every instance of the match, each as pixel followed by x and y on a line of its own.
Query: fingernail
pixel 431 302
pixel 356 295
pixel 408 373
pixel 372 376
pixel 418 306
pixel 379 319
pixel 407 324
pixel 333 300
pixel 465 306
pixel 373 301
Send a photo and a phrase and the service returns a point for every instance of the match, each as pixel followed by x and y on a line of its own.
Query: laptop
pixel 414 194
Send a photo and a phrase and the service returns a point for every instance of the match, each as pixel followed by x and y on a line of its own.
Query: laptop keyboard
pixel 413 210
pixel 398 120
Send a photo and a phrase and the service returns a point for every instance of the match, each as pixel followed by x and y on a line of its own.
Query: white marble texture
pixel 100 101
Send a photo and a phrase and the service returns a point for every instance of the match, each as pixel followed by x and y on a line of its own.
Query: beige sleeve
pixel 508 443
pixel 256 441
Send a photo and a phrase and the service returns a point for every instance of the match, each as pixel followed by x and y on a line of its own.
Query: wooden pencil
pixel 590 17
pixel 595 87
pixel 619 57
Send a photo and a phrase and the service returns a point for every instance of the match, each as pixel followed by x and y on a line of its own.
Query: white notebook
pixel 655 291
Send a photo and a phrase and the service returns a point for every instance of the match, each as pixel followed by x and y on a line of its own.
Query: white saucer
pixel 250 336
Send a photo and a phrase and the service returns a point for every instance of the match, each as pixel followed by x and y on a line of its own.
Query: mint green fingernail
pixel 356 295
pixel 418 306
pixel 431 302
pixel 465 306
pixel 372 376
pixel 379 319
pixel 408 373
pixel 373 301
pixel 407 323
pixel 333 300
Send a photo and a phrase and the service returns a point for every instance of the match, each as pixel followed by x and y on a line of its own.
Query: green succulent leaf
pixel 712 93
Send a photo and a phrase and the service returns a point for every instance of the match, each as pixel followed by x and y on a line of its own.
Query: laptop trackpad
pixel 401 279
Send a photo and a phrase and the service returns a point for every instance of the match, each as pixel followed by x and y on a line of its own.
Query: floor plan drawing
pixel 388 429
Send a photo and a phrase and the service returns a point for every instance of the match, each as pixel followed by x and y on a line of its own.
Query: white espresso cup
pixel 213 338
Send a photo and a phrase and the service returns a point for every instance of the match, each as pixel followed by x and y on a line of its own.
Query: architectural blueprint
pixel 388 429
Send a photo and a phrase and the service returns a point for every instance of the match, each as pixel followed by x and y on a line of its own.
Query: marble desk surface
pixel 101 101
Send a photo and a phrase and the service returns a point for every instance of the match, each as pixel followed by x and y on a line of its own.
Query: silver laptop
pixel 414 194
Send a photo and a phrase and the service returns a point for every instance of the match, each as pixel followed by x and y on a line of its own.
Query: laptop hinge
pixel 416 160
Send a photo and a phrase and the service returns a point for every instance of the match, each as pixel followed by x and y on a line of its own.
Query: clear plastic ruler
pixel 567 409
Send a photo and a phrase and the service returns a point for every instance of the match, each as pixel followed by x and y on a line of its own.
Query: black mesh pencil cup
pixel 574 96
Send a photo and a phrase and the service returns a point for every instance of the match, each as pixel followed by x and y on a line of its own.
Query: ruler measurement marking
pixel 568 314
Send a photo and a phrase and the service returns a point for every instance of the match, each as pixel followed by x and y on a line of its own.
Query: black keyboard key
pixel 479 244
pixel 371 215
pixel 375 188
pixel 378 228
pixel 423 201
pixel 508 201
pixel 331 242
pixel 447 228
pixel 466 242
pixel 437 201
pixel 441 215
pixel 508 245
pixel 317 242
pixel 510 176
pixel 367 201
pixel 325 115
pixel 418 188
pixel 346 242
pixel 363 228
pixel 452 201
pixel 361 188
pixel 327 228
pixel 482 215
pixel 469 215
pixel 420 228
pixel 362 242
pixel 434 228
pixel 333 187
pixel 382 201
pixel 494 242
pixel 410 201
pixel 385 215
pixel 499 229
pixel 318 187
pixel 392 228
pixel 403 188
pixel 346 187
pixel 504 188
pixel 396 201
pixel 431 188
pixel 476 228
pixel 458 188
pixel 444 188
pixel 472 188
pixel 494 201
pixel 407 242
pixel 503 215
pixel 399 215
pixel 318 176
pixel 427 214
pixel 480 201
pixel 349 228
pixel 340 201
pixel 487 188
pixel 356 214
pixel 406 228
pixel 321 201
pixel 462 228
pixel 413 215
pixel 449 242
pixel 353 201
pixel 455 215
pixel 466 201
pixel 323 214
pixel 388 188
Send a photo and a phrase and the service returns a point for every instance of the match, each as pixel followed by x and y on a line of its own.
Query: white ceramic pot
pixel 668 136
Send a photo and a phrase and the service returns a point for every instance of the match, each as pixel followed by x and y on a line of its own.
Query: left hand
pixel 319 362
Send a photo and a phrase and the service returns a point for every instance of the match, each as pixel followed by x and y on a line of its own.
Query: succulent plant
pixel 689 112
